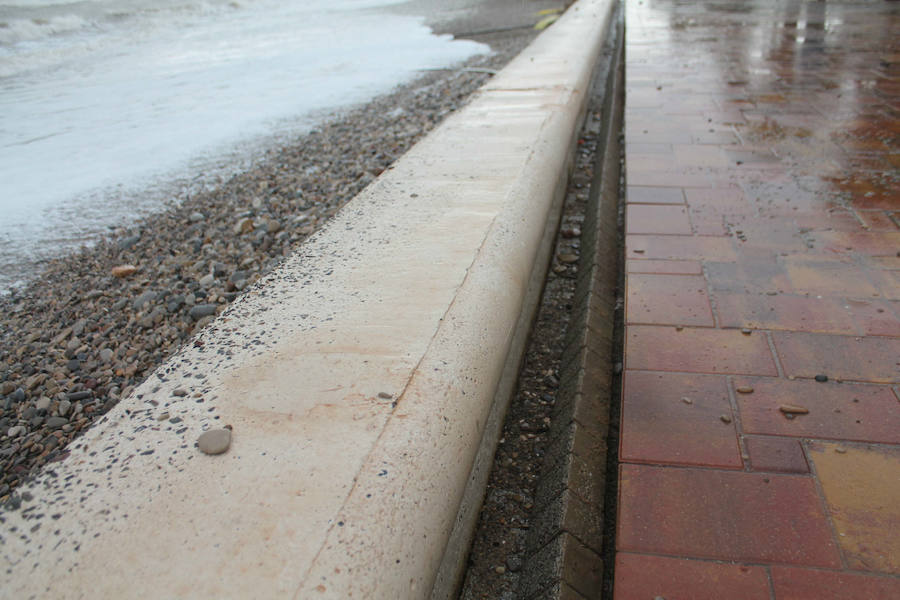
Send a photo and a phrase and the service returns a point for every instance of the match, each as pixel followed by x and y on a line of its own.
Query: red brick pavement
pixel 760 441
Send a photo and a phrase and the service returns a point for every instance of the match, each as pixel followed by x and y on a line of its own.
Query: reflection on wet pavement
pixel 762 146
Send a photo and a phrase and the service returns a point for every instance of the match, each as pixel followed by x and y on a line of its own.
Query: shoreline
pixel 76 339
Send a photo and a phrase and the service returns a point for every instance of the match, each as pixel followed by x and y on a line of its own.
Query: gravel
pixel 93 325
pixel 499 550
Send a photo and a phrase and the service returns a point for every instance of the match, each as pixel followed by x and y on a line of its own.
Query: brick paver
pixel 836 411
pixel 658 218
pixel 665 267
pixel 645 577
pixel 670 299
pixel 697 350
pixel 861 487
pixel 676 418
pixel 724 515
pixel 669 247
pixel 816 584
pixel 778 454
pixel 760 438
pixel 850 358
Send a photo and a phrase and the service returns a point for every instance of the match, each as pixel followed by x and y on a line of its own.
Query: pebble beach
pixel 93 325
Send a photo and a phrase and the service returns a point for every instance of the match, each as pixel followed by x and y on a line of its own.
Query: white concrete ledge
pixel 358 380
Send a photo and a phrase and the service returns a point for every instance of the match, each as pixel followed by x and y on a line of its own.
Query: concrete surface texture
pixel 760 448
pixel 357 381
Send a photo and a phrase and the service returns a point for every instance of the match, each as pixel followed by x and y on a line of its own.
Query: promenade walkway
pixel 760 441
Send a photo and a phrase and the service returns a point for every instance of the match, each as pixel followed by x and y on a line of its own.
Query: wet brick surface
pixel 760 446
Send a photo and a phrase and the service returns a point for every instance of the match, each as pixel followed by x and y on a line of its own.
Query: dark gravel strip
pixel 499 550
pixel 95 324
pixel 541 531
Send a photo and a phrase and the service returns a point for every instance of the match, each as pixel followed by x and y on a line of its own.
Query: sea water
pixel 104 103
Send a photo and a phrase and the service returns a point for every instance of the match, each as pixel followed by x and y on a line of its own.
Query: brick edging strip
pixel 565 544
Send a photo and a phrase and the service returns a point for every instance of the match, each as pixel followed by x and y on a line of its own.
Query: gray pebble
pixel 207 280
pixel 43 403
pixel 238 275
pixel 56 422
pixel 106 355
pixel 202 310
pixel 514 564
pixel 16 431
pixel 18 395
pixel 78 327
pixel 126 243
pixel 175 302
pixel 64 406
pixel 214 441
pixel 143 299
pixel 196 217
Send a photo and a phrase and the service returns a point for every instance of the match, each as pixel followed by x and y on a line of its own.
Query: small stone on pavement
pixel 214 441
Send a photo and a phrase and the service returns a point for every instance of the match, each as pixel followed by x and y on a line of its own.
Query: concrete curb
pixel 365 382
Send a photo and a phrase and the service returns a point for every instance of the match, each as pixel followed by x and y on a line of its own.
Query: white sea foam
pixel 124 94
pixel 25 30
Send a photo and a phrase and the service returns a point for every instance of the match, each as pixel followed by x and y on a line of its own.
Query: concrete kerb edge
pixel 233 526
pixel 551 164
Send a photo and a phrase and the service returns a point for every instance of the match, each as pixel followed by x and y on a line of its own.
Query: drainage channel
pixel 546 527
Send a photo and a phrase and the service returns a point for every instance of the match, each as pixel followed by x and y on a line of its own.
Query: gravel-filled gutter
pixel 546 524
